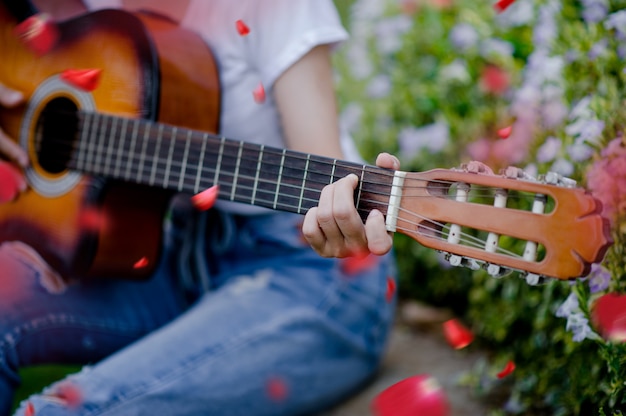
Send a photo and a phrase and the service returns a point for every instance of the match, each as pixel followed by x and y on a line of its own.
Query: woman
pixel 242 317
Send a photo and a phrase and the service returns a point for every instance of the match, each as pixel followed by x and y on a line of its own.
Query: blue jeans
pixel 257 324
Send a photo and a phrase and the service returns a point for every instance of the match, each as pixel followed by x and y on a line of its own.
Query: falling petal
pixel 11 182
pixel 416 395
pixel 502 5
pixel 30 409
pixel 457 335
pixel 277 389
pixel 84 79
pixel 358 263
pixel 38 33
pixel 70 393
pixel 242 28
pixel 608 315
pixel 206 199
pixel 391 289
pixel 508 369
pixel 141 263
pixel 505 132
pixel 259 94
pixel 91 219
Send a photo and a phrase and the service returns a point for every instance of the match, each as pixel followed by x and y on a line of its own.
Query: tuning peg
pixel 553 178
pixel 460 261
pixel 497 271
pixel 513 172
pixel 534 279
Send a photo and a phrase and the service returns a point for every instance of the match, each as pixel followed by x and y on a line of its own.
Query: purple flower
pixel 577 323
pixel 595 11
pixel 599 278
pixel 463 36
pixel 617 21
pixel 548 150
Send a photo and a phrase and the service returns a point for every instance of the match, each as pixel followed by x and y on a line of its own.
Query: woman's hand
pixel 335 229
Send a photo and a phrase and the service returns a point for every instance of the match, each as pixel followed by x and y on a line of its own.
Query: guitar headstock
pixel 545 227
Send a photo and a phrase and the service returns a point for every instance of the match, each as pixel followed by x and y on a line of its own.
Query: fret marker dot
pixel 205 200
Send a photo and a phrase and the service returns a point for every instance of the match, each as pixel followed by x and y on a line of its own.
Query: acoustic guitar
pixel 118 153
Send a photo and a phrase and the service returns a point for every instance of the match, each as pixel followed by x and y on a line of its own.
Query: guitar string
pixel 487 192
pixel 276 152
pixel 176 164
pixel 435 226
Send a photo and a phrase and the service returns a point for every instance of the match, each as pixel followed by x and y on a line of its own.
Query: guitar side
pixel 101 228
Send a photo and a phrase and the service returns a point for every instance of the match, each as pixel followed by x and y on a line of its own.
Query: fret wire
pixel 185 156
pixel 100 141
pixel 133 144
pixel 219 160
pixel 84 141
pixel 120 149
pixel 170 155
pixel 236 174
pixel 332 173
pixel 306 172
pixel 110 145
pixel 144 147
pixel 280 174
pixel 358 198
pixel 93 136
pixel 196 188
pixel 157 152
pixel 258 171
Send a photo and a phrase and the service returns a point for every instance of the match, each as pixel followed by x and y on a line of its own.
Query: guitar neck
pixel 183 160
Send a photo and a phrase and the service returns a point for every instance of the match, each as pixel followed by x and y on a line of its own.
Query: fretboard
pixel 169 157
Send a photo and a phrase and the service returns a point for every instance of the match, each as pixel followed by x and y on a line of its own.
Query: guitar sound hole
pixel 56 134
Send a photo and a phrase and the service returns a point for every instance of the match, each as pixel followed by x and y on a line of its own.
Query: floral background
pixel 538 84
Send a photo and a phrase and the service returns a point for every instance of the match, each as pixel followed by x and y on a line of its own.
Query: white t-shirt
pixel 281 32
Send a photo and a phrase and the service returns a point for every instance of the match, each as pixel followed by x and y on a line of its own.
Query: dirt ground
pixel 418 347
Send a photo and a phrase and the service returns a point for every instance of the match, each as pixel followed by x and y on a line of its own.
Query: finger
pixel 312 232
pixel 325 217
pixel 12 150
pixel 379 241
pixel 385 160
pixel 346 215
pixel 10 97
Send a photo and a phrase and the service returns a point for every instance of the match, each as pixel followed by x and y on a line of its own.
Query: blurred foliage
pixel 417 79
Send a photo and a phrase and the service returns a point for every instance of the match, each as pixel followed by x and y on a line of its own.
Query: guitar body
pixel 89 227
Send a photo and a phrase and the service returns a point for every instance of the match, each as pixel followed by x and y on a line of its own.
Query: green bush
pixel 539 85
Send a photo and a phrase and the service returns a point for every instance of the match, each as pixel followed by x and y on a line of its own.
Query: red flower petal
pixel 70 393
pixel 502 5
pixel 11 182
pixel 242 28
pixel 206 199
pixel 357 263
pixel 457 335
pixel 30 409
pixel 417 395
pixel 391 289
pixel 141 263
pixel 91 219
pixel 508 369
pixel 608 314
pixel 259 94
pixel 277 389
pixel 38 33
pixel 84 79
pixel 505 132
pixel 494 80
